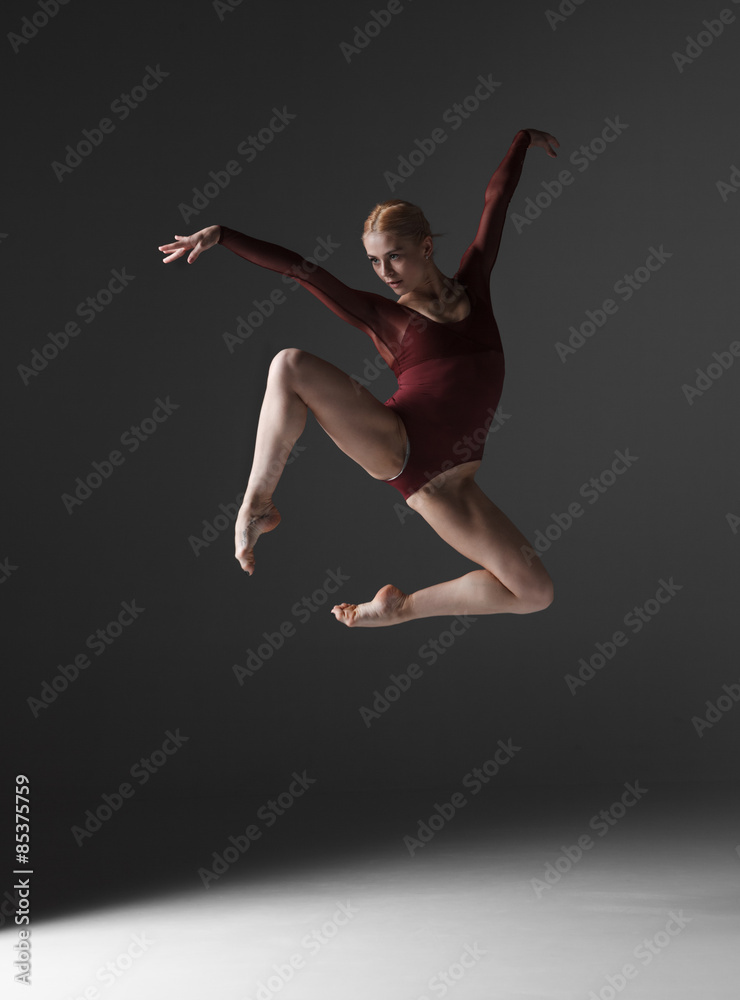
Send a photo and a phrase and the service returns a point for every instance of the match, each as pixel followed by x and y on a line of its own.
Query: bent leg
pixel 463 516
pixel 359 424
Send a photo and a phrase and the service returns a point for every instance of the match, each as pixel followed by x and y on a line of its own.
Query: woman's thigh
pixel 458 510
pixel 359 424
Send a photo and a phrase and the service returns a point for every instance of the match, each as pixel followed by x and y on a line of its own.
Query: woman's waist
pixel 455 365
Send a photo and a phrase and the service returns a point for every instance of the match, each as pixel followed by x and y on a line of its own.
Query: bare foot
pixel 251 522
pixel 388 607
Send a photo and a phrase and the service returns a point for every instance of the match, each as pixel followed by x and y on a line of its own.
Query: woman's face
pixel 397 261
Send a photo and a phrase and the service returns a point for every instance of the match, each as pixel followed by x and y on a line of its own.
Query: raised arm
pixel 482 252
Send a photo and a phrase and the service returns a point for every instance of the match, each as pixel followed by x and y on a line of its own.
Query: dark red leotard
pixel 450 375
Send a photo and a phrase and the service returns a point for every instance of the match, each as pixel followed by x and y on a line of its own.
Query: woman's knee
pixel 537 595
pixel 287 361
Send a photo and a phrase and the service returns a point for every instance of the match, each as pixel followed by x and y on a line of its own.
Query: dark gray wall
pixel 654 186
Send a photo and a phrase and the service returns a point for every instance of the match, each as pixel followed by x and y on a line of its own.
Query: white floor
pixel 650 911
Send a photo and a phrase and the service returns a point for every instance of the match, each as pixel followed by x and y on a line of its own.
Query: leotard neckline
pixel 454 322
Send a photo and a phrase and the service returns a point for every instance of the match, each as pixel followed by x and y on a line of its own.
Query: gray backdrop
pixel 656 202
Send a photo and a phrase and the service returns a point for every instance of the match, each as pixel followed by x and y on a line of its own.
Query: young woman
pixel 441 340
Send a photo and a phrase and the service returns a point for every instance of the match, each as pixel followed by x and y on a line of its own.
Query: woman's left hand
pixel 543 140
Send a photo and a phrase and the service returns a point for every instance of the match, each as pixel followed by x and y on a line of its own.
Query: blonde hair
pixel 401 218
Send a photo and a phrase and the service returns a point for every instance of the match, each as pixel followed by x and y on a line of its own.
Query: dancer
pixel 441 340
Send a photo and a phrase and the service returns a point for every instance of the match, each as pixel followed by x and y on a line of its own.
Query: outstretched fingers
pixel 181 246
pixel 174 250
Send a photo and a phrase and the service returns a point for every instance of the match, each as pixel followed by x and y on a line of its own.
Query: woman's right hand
pixel 204 239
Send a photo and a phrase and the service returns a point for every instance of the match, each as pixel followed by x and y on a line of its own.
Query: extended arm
pixel 484 248
pixel 381 319
pixel 361 309
pixel 350 304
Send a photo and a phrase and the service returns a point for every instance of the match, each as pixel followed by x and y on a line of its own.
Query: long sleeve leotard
pixel 450 375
